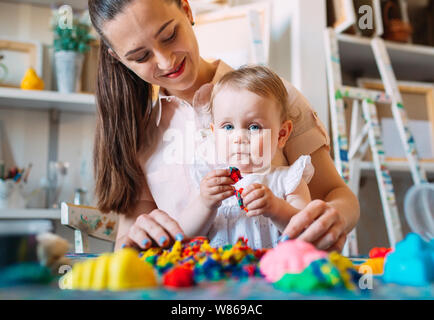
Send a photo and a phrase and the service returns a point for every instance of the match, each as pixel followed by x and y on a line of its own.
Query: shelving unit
pixel 75 102
pixel 51 214
pixel 410 62
pixel 54 102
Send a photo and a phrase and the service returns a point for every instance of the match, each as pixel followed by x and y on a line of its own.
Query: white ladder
pixel 347 159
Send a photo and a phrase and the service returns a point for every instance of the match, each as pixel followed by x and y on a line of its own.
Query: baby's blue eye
pixel 254 127
pixel 228 127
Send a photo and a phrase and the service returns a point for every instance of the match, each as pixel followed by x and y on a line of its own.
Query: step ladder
pixel 349 155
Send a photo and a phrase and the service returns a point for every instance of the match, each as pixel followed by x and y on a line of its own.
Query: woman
pixel 151 42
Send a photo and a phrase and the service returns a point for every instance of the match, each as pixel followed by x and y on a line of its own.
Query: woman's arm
pixel 335 211
pixel 328 185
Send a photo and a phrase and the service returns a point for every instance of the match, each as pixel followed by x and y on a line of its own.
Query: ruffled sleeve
pixel 288 178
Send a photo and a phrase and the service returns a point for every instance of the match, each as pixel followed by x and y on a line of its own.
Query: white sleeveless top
pixel 231 222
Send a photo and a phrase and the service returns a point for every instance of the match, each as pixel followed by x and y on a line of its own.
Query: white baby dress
pixel 231 222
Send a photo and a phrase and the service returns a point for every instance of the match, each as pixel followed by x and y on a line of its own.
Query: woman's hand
pixel 320 224
pixel 215 187
pixel 260 200
pixel 156 228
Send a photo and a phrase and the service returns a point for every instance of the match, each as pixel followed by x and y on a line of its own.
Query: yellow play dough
pixel 127 271
pixel 376 264
pixel 100 278
pixel 31 81
pixel 121 270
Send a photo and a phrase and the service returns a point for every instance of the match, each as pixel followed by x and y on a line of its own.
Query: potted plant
pixel 70 43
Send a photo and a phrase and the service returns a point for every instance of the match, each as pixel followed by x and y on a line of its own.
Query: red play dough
pixel 379 252
pixel 178 277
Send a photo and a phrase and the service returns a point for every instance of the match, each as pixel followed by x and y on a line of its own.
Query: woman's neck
pixel 206 74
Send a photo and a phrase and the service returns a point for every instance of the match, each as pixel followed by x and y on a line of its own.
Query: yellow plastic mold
pixel 121 270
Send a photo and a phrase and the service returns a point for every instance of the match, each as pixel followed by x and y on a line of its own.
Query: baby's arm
pixel 260 200
pixel 197 218
pixel 294 203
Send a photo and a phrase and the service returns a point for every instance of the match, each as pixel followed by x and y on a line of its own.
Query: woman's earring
pixel 192 23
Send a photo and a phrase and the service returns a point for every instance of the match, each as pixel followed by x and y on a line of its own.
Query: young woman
pixel 152 42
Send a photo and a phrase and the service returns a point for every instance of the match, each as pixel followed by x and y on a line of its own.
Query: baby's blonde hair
pixel 261 81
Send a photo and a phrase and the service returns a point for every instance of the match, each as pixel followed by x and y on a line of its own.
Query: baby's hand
pixel 259 200
pixel 215 187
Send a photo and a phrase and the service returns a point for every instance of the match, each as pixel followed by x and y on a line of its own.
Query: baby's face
pixel 246 127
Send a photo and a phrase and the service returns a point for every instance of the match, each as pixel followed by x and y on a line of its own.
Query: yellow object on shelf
pixel 121 270
pixel 31 81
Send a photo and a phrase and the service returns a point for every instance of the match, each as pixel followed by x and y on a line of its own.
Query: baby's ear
pixel 284 133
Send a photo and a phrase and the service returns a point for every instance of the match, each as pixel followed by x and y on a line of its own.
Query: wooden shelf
pixel 37 99
pixel 52 214
pixel 410 62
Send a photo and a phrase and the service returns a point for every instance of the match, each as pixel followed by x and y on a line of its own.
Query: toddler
pixel 251 122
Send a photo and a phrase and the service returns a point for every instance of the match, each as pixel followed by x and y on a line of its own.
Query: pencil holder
pixel 11 195
pixel 6 187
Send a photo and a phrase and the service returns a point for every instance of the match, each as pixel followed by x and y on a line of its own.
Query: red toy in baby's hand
pixel 236 176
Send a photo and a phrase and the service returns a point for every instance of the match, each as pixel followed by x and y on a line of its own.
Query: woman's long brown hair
pixel 123 108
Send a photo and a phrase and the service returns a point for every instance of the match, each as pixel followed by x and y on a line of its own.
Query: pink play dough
pixel 291 256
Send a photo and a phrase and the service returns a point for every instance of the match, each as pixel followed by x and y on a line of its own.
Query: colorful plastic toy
pixel 236 176
pixel 240 199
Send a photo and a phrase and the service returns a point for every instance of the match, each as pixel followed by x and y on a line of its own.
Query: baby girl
pixel 251 122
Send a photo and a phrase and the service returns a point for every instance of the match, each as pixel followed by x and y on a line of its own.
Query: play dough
pixel 205 262
pixel 292 265
pixel 295 265
pixel 291 256
pixel 121 270
pixel 411 262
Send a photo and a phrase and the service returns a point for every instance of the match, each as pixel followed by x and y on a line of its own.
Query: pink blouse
pixel 170 136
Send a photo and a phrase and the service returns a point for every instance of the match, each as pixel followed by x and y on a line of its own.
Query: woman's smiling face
pixel 155 40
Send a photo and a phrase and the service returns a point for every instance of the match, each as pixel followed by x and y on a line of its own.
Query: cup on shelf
pixel 11 195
